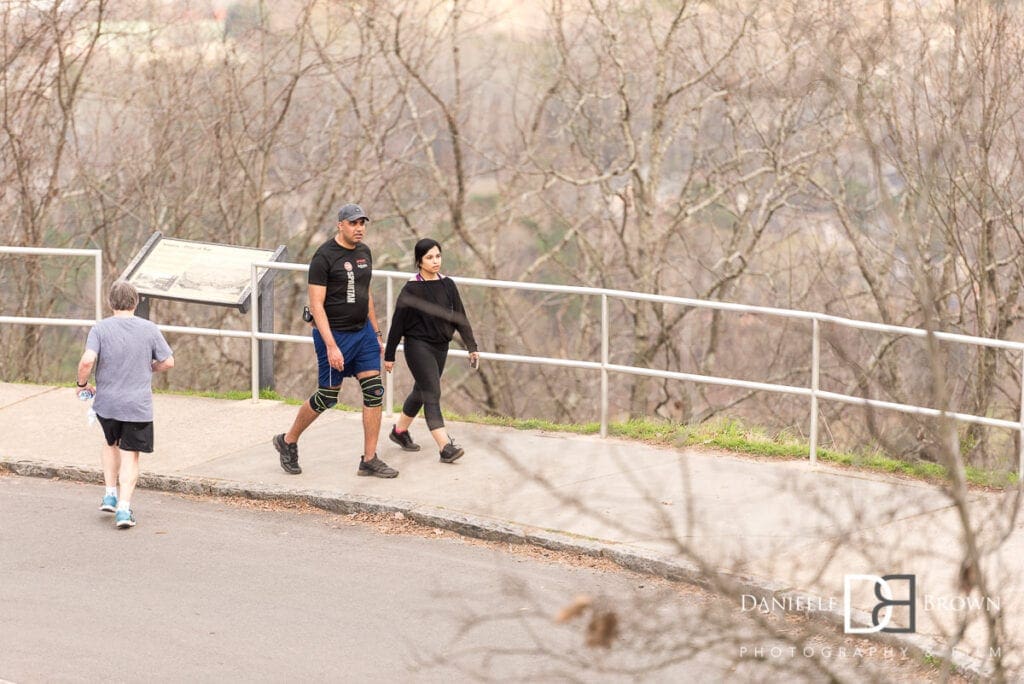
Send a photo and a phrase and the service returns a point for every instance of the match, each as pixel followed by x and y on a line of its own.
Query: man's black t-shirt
pixel 346 273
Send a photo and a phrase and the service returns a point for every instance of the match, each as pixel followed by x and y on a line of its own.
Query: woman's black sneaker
pixel 403 439
pixel 451 452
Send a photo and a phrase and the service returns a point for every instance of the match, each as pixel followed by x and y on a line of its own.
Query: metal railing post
pixel 99 286
pixel 389 400
pixel 1020 433
pixel 815 361
pixel 254 311
pixel 604 365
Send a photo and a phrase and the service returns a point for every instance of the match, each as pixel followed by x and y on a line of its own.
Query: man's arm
pixel 85 366
pixel 166 364
pixel 317 297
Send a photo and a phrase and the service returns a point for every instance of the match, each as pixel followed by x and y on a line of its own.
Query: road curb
pixel 489 529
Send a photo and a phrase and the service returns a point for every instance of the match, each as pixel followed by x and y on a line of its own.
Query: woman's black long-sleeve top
pixel 431 311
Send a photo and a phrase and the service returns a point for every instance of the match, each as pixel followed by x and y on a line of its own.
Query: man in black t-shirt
pixel 346 339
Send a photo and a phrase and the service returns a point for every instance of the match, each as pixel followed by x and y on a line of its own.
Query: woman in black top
pixel 428 312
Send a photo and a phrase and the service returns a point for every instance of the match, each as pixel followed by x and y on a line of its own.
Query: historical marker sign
pixel 190 271
pixel 207 273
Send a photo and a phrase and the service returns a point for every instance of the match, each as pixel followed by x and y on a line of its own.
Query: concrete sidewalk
pixel 773 526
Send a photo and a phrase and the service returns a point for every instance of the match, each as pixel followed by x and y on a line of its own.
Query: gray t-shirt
pixel 125 348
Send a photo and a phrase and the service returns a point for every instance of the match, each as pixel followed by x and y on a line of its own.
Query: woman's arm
pixel 397 329
pixel 461 320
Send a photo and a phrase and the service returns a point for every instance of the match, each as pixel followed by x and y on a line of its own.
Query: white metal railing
pixel 603 366
pixel 813 392
pixel 96 254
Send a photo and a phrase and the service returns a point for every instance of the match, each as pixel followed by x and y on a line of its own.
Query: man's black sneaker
pixel 403 439
pixel 376 468
pixel 289 455
pixel 451 452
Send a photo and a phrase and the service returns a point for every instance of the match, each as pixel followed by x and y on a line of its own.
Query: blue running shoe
pixel 124 519
pixel 109 504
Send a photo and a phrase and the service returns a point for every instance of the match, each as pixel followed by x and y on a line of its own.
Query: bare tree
pixel 719 150
pixel 46 55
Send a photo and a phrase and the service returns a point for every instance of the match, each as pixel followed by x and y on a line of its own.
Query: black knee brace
pixel 323 399
pixel 373 391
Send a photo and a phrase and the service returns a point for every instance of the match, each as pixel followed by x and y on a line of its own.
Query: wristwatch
pixel 82 384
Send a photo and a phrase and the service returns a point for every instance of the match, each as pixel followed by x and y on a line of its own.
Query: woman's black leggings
pixel 426 361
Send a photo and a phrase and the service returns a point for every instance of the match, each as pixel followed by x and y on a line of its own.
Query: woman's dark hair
pixel 424 246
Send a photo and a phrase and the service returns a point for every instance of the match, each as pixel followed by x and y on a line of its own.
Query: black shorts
pixel 127 435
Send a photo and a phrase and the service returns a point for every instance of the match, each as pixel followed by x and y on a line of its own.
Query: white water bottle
pixel 85 395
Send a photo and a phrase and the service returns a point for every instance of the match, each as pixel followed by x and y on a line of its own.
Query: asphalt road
pixel 204 591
